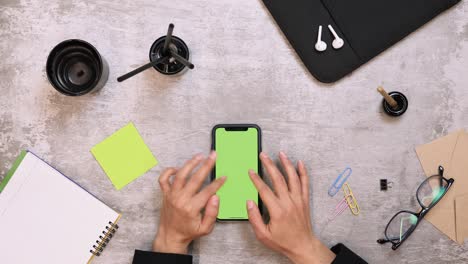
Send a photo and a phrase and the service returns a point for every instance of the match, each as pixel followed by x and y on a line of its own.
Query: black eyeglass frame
pixel 420 215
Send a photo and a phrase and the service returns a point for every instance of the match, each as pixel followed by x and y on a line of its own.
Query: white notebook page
pixel 46 218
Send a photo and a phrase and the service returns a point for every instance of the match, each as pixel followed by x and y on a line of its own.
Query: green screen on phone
pixel 237 152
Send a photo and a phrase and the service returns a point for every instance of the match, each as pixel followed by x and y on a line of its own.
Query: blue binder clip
pixel 340 180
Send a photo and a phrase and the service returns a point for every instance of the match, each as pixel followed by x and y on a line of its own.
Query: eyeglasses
pixel 403 223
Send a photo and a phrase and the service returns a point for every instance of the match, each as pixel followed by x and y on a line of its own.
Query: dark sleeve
pixel 146 257
pixel 345 256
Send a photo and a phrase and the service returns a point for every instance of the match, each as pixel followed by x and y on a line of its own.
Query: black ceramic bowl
pixel 74 67
pixel 402 104
pixel 172 67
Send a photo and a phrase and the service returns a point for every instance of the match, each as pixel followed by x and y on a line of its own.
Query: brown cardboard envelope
pixel 461 217
pixel 451 152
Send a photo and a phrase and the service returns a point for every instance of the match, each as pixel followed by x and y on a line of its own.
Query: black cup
pixel 402 102
pixel 74 67
pixel 170 67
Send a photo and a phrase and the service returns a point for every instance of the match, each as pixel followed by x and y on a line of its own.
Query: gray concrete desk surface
pixel 245 72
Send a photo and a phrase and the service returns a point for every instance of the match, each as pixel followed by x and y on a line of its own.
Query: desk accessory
pixel 338 42
pixel 75 67
pixel 450 151
pixel 403 223
pixel 368 27
pixel 348 201
pixel 385 184
pixel 237 147
pixel 320 45
pixel 124 156
pixel 61 222
pixel 461 217
pixel 339 209
pixel 351 199
pixel 339 181
pixel 168 55
pixel 394 103
pixel 142 68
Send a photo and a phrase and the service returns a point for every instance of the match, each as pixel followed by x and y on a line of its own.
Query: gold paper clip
pixel 350 199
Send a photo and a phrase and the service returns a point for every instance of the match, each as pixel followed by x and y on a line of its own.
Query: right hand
pixel 289 230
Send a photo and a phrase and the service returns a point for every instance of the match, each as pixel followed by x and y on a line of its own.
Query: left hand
pixel 181 214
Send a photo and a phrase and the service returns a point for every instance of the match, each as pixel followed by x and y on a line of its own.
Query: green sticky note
pixel 124 156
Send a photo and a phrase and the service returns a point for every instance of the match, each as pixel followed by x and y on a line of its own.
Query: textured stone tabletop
pixel 245 72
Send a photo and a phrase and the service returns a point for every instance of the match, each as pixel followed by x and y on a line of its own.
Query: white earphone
pixel 320 45
pixel 337 42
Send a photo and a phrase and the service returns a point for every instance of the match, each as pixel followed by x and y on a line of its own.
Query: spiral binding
pixel 102 242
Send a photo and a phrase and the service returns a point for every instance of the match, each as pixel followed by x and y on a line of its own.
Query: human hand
pixel 289 230
pixel 181 218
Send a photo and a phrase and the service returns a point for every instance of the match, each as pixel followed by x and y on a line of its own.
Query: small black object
pixel 381 241
pixel 441 170
pixel 402 104
pixel 168 39
pixel 142 68
pixel 102 242
pixel 177 46
pixel 168 55
pixel 74 67
pixel 385 184
pixel 182 60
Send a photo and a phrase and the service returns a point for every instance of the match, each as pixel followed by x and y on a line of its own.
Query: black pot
pixel 74 67
pixel 402 102
pixel 171 67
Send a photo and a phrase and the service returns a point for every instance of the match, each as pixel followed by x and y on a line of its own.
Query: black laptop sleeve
pixel 368 27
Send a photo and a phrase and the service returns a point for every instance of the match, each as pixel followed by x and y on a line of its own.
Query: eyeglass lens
pixel 400 225
pixel 431 191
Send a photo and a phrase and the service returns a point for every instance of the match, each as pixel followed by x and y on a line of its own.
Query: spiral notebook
pixel 47 218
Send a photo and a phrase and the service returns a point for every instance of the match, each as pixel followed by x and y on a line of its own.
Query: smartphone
pixel 238 147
